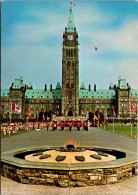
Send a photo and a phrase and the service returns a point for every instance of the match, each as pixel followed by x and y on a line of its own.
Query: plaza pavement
pixel 93 137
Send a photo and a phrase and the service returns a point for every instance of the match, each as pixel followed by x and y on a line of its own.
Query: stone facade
pixel 72 178
pixel 70 74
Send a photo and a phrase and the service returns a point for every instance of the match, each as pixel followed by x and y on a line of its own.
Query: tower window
pixel 69 96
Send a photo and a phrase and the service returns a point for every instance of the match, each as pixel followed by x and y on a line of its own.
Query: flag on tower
pixel 133 108
pixel 73 4
pixel 29 114
pixel 16 108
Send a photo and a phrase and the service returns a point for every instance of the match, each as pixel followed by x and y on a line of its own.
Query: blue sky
pixel 31 38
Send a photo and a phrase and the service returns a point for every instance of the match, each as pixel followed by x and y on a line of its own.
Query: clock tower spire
pixel 70 23
pixel 70 69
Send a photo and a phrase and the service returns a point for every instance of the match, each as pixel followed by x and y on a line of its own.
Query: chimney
pixel 89 87
pixel 51 87
pixel 45 87
pixel 94 87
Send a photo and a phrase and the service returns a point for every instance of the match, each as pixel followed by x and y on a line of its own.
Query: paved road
pixel 9 187
pixel 93 137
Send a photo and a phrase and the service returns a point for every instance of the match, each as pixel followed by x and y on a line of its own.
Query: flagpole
pixel 94 119
pixel 98 120
pixel 10 116
pixel 113 123
pixel 104 120
pixel 130 119
pixel 27 122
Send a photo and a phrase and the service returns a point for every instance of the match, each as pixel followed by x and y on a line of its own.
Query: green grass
pixel 11 134
pixel 125 130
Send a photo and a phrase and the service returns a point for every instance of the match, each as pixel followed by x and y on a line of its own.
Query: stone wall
pixel 72 178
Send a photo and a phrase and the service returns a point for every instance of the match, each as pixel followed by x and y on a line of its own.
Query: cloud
pixel 50 24
pixel 36 64
pixel 35 51
pixel 102 72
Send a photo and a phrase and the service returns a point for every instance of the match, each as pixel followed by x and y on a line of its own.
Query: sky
pixel 31 37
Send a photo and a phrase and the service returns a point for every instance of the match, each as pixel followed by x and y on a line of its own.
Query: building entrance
pixel 70 113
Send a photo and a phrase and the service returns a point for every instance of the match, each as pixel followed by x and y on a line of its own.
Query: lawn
pixel 121 129
pixel 11 134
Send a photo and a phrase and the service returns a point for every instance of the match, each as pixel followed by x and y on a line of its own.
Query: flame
pixel 72 142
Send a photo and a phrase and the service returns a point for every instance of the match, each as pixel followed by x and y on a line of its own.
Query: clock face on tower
pixel 70 37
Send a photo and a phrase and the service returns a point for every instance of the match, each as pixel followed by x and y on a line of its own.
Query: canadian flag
pixel 72 3
pixel 133 108
pixel 16 108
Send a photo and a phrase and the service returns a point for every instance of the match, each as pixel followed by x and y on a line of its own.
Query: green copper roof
pixel 70 23
pixel 111 85
pixel 29 85
pixel 134 93
pixel 41 93
pixel 58 86
pixel 122 84
pixel 18 83
pixel 5 92
pixel 98 94
pixel 82 86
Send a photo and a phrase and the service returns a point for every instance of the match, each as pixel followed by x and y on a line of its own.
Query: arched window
pixel 69 97
pixel 67 52
pixel 71 52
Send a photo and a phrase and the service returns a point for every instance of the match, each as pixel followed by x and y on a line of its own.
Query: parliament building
pixel 70 99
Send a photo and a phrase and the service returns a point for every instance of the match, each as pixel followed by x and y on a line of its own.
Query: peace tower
pixel 70 70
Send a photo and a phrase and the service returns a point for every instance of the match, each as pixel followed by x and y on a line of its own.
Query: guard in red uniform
pixel 70 126
pixel 62 126
pixel 78 127
pixel 47 125
pixel 86 126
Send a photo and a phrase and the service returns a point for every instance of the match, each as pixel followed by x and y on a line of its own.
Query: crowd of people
pixel 61 122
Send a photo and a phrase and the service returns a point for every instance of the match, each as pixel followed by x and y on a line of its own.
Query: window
pixel 69 97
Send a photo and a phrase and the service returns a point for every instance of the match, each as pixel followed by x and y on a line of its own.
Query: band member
pixel 86 126
pixel 78 126
pixel 70 126
pixel 62 126
pixel 54 126
pixel 47 125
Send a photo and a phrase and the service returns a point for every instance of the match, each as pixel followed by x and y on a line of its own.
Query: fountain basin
pixel 68 174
